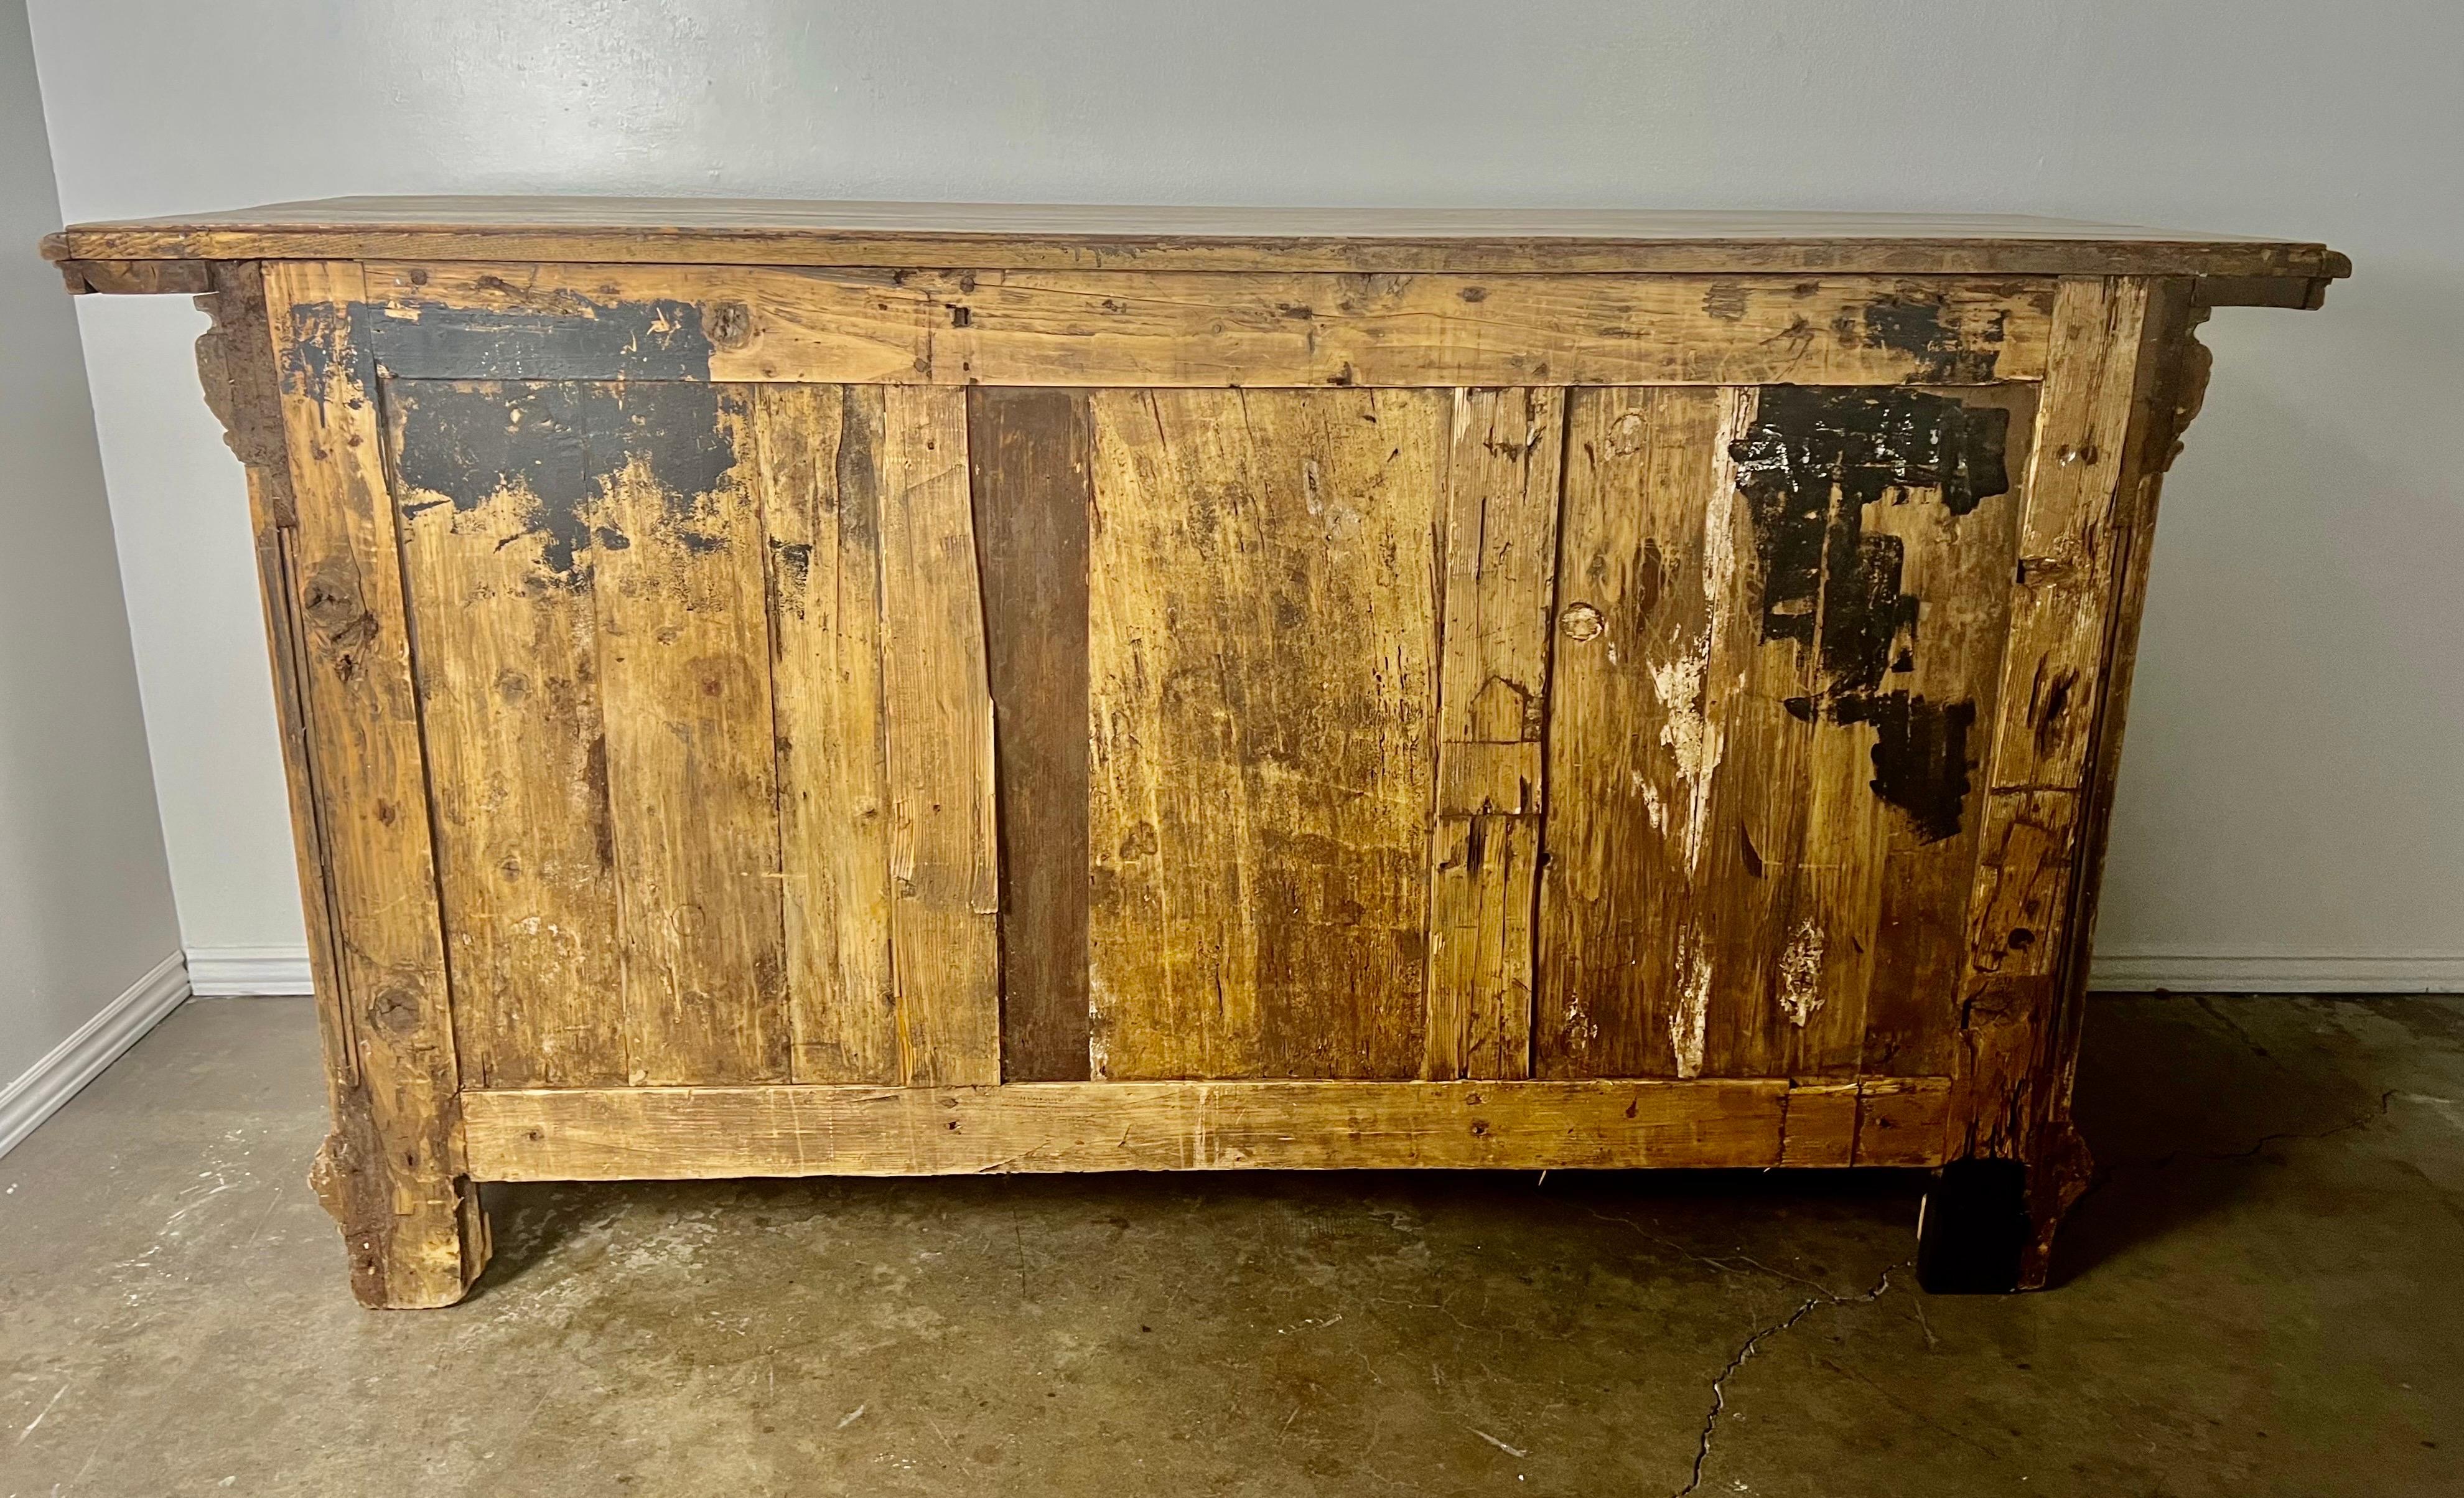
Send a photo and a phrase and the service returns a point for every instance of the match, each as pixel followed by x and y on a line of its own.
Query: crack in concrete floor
pixel 1753 1345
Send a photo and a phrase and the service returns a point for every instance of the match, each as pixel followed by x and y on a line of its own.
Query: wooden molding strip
pixel 660 1134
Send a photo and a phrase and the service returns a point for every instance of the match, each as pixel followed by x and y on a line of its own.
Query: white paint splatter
pixel 1652 805
pixel 1691 736
pixel 1680 685
pixel 1691 1020
pixel 1800 975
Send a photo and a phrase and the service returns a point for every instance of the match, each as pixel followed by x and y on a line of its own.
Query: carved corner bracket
pixel 235 365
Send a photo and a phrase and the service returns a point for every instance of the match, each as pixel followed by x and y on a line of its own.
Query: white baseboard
pixel 229 972
pixel 26 1102
pixel 2278 973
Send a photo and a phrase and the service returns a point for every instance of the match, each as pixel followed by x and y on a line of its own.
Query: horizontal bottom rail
pixel 689 1132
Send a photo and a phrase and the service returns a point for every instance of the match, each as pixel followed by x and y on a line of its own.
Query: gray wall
pixel 2294 792
pixel 85 902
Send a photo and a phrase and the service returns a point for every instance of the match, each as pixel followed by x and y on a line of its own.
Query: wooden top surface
pixel 1048 236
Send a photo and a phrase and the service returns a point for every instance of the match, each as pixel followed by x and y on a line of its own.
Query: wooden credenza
pixel 868 689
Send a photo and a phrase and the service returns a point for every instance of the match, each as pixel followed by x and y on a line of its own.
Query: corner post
pixel 2124 378
pixel 296 401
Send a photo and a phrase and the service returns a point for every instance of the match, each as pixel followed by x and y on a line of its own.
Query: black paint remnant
pixel 1921 761
pixel 562 444
pixel 564 335
pixel 1809 465
pixel 1910 322
pixel 319 340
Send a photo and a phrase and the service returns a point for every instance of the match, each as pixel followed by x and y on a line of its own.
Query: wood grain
pixel 691 775
pixel 693 1133
pixel 1959 567
pixel 1200 329
pixel 2124 384
pixel 1263 642
pixel 944 841
pixel 1029 454
pixel 392 1170
pixel 2061 613
pixel 508 673
pixel 1088 237
pixel 1647 657
pixel 1502 484
pixel 1797 594
pixel 817 459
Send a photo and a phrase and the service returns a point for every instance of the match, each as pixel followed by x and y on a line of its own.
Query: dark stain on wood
pixel 562 335
pixel 1810 464
pixel 1029 451
pixel 1920 754
pixel 318 337
pixel 560 444
pixel 1912 323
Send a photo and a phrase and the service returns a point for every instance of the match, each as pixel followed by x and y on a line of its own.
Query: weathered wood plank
pixel 507 662
pixel 1187 237
pixel 2167 393
pixel 1820 1129
pixel 1645 660
pixel 1787 588
pixel 1956 561
pixel 1262 639
pixel 1502 485
pixel 685 697
pixel 392 1172
pixel 1029 454
pixel 1198 329
pixel 2064 605
pixel 2123 385
pixel 138 277
pixel 1899 1120
pixel 1880 518
pixel 693 1132
pixel 944 841
pixel 818 451
pixel 2061 614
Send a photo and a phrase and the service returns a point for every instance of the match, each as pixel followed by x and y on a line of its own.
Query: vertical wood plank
pixel 2107 355
pixel 686 699
pixel 944 851
pixel 1773 690
pixel 392 1172
pixel 1959 566
pixel 2125 378
pixel 1027 454
pixel 1880 519
pixel 506 656
pixel 1646 659
pixel 818 474
pixel 1263 637
pixel 1502 486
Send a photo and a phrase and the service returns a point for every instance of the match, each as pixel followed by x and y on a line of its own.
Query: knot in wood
pixel 728 325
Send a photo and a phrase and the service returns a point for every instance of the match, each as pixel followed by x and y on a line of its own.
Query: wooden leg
pixel 415 1241
pixel 1973 1230
pixel 1987 1226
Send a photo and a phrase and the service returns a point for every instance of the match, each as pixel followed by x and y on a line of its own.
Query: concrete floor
pixel 2264 1296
